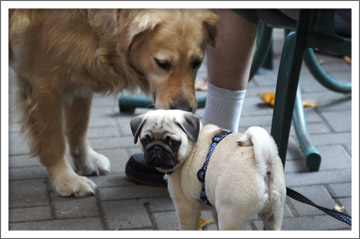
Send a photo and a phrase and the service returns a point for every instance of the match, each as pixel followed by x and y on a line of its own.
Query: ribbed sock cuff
pixel 223 107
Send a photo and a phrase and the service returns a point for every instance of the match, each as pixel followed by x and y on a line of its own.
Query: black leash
pixel 337 215
pixel 289 192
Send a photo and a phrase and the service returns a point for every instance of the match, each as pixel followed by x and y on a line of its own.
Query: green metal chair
pixel 315 29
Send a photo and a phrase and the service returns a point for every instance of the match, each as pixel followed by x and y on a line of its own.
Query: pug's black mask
pixel 160 157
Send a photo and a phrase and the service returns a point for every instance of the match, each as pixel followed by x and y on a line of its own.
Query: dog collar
pixel 202 172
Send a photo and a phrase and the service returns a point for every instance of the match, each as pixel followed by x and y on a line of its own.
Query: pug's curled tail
pixel 265 149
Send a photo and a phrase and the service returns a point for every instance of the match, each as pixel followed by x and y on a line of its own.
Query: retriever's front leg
pixel 77 116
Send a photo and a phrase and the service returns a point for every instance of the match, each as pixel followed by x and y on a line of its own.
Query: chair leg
pixel 321 76
pixel 263 46
pixel 287 82
pixel 312 155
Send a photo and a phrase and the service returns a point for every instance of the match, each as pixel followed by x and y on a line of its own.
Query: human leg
pixel 229 66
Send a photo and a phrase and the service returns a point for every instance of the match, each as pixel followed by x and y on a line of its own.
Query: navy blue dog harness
pixel 202 172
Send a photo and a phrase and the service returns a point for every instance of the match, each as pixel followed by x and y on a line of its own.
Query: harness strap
pixel 202 172
pixel 289 192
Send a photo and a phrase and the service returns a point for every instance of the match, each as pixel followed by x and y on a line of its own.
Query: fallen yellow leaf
pixel 269 98
pixel 347 59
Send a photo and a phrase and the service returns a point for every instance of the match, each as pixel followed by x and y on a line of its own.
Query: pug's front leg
pixel 188 214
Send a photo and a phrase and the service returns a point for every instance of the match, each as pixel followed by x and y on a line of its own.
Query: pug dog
pixel 244 175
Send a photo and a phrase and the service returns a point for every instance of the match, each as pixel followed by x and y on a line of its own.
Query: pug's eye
pixel 145 141
pixel 173 143
pixel 165 65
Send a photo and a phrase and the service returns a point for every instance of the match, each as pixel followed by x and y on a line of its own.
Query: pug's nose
pixel 156 149
pixel 182 106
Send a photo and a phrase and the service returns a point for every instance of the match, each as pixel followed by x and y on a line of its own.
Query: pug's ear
pixel 136 125
pixel 190 124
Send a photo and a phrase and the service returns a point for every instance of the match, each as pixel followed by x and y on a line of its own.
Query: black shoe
pixel 137 171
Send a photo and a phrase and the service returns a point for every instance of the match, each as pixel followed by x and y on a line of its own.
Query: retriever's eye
pixel 165 65
pixel 196 63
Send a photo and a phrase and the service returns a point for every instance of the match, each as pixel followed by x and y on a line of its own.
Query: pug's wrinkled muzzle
pixel 157 156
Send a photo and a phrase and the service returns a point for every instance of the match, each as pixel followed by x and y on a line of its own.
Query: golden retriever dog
pixel 62 57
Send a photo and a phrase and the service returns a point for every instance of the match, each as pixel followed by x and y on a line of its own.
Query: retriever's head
pixel 167 48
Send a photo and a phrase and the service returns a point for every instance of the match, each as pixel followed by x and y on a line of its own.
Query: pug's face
pixel 166 137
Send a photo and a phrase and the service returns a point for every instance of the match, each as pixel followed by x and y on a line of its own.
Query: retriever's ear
pixel 136 125
pixel 132 22
pixel 190 124
pixel 211 23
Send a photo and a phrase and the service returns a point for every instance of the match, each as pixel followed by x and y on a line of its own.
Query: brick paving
pixel 124 205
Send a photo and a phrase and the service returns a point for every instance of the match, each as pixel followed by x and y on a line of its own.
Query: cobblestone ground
pixel 124 205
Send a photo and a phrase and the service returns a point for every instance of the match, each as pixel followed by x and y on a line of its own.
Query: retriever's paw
pixel 67 183
pixel 94 164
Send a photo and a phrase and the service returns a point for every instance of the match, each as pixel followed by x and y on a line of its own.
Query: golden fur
pixel 61 57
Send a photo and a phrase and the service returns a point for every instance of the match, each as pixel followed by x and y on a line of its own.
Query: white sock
pixel 223 107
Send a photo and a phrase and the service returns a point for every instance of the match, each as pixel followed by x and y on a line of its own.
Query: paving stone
pixel 29 214
pixel 293 150
pixel 330 101
pixel 255 93
pixel 331 139
pixel 311 85
pixel 334 157
pixel 14 128
pixel 23 161
pixel 135 150
pixel 112 143
pixel 346 202
pixel 340 190
pixel 118 159
pixel 102 100
pixel 100 122
pixel 28 173
pixel 125 214
pixel 321 177
pixel 314 128
pixel 296 166
pixel 127 192
pixel 166 220
pixel 112 180
pixel 76 208
pixel 340 121
pixel 211 227
pixel 28 193
pixel 318 194
pixel 311 223
pixel 92 223
pixel 247 121
pixel 104 132
pixel 348 148
pixel 255 106
pixel 160 204
pixel 124 125
pixel 18 144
